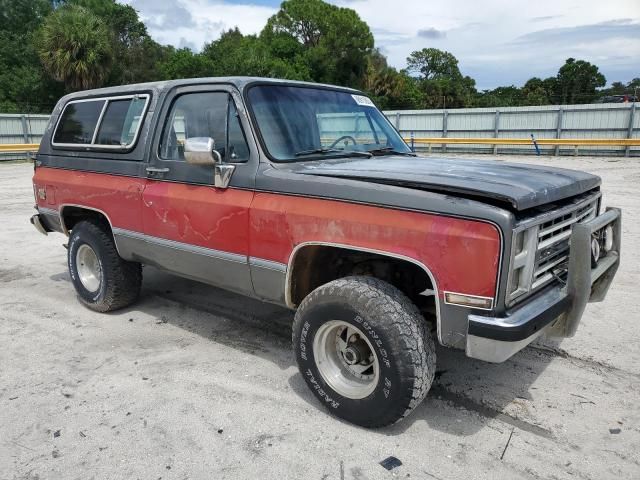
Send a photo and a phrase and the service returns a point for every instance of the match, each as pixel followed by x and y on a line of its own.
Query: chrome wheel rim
pixel 346 359
pixel 88 267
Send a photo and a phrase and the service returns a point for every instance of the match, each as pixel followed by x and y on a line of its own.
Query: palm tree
pixel 76 47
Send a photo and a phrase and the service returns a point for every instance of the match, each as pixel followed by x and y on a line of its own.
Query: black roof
pixel 239 82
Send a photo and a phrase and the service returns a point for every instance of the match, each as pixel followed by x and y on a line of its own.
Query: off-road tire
pixel 394 327
pixel 120 280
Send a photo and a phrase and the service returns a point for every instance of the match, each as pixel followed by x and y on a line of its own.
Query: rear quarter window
pixel 78 123
pixel 112 123
pixel 120 122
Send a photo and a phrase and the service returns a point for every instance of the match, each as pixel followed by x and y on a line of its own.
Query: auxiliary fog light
pixel 595 251
pixel 608 239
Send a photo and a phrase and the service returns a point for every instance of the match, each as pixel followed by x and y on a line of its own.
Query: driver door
pixel 191 227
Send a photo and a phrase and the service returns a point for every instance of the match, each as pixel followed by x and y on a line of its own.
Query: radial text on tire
pixel 364 350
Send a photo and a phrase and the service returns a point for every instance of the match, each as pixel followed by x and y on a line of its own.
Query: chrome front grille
pixel 559 228
pixel 540 251
pixel 552 253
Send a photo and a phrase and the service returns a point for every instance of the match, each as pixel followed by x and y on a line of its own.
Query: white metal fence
pixel 594 121
pixel 17 128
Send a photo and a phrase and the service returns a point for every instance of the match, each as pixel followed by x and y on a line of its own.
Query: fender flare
pixel 422 266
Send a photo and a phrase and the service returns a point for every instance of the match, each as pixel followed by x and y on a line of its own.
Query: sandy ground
pixel 197 383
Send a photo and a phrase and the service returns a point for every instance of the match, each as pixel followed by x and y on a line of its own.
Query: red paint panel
pixel 463 255
pixel 119 197
pixel 198 215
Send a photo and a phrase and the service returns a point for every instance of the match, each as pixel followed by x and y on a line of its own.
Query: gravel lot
pixel 194 382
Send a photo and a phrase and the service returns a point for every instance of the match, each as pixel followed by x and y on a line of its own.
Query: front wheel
pixel 364 350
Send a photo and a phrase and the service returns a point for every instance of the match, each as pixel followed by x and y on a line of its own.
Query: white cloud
pixel 207 19
pixel 497 42
pixel 486 36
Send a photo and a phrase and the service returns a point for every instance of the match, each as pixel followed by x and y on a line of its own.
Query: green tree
pixel 75 47
pixel 330 42
pixel 452 92
pixel 183 63
pixel 577 81
pixel 440 80
pixel 510 96
pixel 433 64
pixel 537 91
pixel 237 54
pixel 617 88
pixel 24 86
pixel 387 87
pixel 138 55
pixel 631 88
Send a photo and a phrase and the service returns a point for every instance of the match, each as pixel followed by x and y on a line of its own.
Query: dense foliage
pixel 75 48
pixel 51 47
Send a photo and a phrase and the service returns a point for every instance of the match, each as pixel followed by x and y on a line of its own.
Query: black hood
pixel 521 186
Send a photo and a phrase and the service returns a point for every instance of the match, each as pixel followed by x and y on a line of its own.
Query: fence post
pixel 445 115
pixel 558 130
pixel 632 111
pixel 25 131
pixel 398 121
pixel 496 131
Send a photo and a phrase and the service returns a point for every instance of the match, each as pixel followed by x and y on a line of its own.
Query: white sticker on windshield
pixel 362 100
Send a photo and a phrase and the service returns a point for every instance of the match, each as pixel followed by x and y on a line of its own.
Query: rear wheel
pixel 364 350
pixel 102 279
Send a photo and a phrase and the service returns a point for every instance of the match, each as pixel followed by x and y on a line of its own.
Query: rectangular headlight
pixel 523 255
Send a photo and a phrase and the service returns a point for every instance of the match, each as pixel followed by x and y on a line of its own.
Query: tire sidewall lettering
pixel 320 391
pixel 374 338
pixel 384 392
pixel 303 339
pixel 74 243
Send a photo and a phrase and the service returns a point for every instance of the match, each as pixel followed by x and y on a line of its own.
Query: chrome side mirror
pixel 201 151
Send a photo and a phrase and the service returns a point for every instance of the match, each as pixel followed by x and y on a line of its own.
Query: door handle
pixel 156 170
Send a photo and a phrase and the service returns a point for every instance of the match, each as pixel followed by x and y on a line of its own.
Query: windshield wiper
pixel 389 150
pixel 316 151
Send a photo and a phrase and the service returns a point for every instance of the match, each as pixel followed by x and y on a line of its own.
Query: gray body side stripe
pixel 268 264
pixel 187 247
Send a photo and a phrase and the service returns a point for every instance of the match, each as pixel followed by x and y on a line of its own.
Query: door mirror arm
pixel 202 151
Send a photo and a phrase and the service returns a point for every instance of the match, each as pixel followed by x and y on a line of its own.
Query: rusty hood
pixel 519 185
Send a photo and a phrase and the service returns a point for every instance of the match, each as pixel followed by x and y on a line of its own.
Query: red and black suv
pixel 306 196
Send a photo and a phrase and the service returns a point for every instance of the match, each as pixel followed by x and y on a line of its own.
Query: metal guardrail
pixel 617 142
pixel 18 147
pixel 535 142
pixel 589 121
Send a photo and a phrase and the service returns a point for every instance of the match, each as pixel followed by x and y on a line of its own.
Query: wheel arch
pixel 291 298
pixel 70 214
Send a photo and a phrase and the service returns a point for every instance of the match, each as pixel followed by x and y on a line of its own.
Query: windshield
pixel 299 123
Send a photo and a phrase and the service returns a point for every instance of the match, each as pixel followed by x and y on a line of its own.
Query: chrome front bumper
pixel 557 311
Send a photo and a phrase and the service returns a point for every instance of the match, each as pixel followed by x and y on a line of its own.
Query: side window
pixel 204 114
pixel 78 122
pixel 120 122
pixel 107 122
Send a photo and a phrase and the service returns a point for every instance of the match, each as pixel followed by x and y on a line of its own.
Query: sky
pixel 497 42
